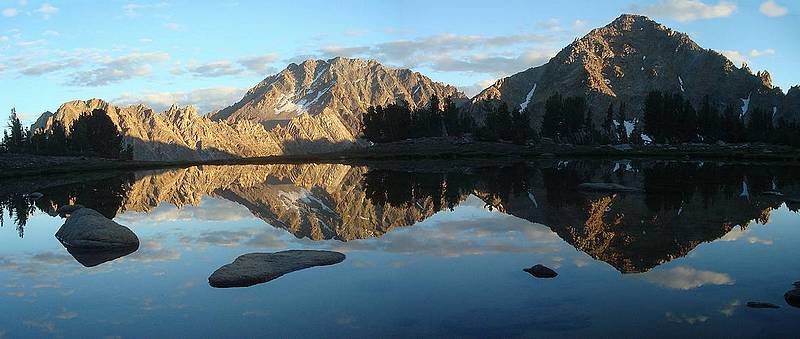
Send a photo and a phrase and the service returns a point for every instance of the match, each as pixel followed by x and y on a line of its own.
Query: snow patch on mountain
pixel 524 104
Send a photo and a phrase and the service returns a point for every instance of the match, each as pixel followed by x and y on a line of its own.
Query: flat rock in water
pixel 772 193
pixel 793 297
pixel 68 209
pixel 256 268
pixel 758 304
pixel 87 229
pixel 541 271
pixel 35 196
pixel 605 187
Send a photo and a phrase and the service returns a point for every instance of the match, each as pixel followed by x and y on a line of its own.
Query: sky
pixel 208 53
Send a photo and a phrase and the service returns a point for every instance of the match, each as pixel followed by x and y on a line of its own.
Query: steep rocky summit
pixel 623 62
pixel 340 86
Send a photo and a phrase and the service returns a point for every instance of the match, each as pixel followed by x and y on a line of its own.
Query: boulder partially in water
pixel 605 187
pixel 541 271
pixel 759 304
pixel 792 297
pixel 87 229
pixel 256 268
pixel 66 210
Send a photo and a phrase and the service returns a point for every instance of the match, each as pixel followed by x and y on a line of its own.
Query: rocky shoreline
pixel 16 165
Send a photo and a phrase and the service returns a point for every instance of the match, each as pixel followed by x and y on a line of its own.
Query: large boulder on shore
pixel 87 229
pixel 66 210
pixel 256 268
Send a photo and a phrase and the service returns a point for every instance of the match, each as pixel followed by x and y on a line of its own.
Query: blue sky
pixel 208 53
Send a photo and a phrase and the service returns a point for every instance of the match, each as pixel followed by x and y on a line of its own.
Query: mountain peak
pixel 345 86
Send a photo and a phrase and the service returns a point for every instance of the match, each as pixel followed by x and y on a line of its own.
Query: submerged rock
pixel 66 210
pixel 94 257
pixel 758 304
pixel 605 187
pixel 256 268
pixel 35 196
pixel 541 271
pixel 792 297
pixel 87 229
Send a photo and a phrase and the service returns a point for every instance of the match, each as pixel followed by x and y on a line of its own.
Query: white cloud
pixel 579 25
pixel 132 9
pixel 31 43
pixel 47 10
pixel 51 33
pixel 497 55
pixel 214 69
pixel 477 87
pixel 683 318
pixel 736 57
pixel 3 68
pixel 739 58
pixel 756 53
pixel 772 9
pixel 205 99
pixel 145 40
pixel 50 66
pixel 10 12
pixel 174 26
pixel 261 64
pixel 3 38
pixel 688 10
pixel 686 278
pixel 113 70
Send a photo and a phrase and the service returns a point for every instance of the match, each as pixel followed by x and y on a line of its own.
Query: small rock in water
pixel 541 271
pixel 66 210
pixel 256 268
pixel 35 196
pixel 758 304
pixel 793 297
pixel 796 284
pixel 605 187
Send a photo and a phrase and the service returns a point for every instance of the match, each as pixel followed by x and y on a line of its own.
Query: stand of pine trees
pixel 93 134
pixel 397 121
pixel 669 118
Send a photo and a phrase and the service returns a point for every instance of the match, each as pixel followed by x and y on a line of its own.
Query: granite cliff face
pixel 180 133
pixel 623 62
pixel 340 86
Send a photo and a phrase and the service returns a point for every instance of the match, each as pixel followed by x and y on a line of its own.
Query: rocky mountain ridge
pixel 346 87
pixel 180 133
pixel 623 62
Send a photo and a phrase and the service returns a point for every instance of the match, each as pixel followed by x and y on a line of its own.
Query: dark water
pixel 432 250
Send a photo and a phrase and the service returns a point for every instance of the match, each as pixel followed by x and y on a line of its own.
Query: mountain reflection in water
pixel 680 205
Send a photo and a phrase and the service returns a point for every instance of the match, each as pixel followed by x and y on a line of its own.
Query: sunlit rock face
pixel 313 107
pixel 625 60
pixel 342 87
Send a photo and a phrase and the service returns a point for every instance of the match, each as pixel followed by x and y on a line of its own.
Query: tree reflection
pixel 107 196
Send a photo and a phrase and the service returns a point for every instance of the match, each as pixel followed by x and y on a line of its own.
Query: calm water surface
pixel 431 250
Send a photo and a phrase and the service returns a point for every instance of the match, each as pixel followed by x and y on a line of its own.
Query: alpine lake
pixel 431 249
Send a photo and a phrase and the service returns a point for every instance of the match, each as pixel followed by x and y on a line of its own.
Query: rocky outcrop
pixel 791 105
pixel 343 87
pixel 256 268
pixel 87 229
pixel 621 63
